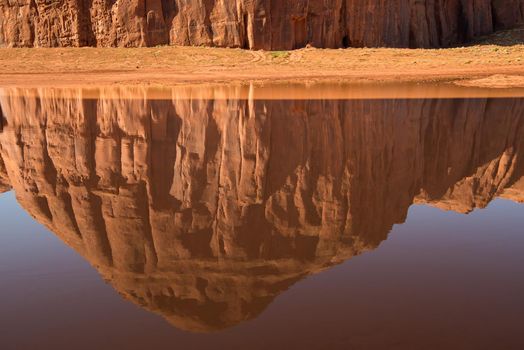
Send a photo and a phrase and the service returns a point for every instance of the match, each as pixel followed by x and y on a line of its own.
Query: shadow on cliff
pixel 508 37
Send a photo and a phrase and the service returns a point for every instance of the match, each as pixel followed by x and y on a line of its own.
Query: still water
pixel 274 217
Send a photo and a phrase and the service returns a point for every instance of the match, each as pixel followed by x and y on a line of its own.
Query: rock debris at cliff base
pixel 253 24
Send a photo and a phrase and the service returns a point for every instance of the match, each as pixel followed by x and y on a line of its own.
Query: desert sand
pixel 494 61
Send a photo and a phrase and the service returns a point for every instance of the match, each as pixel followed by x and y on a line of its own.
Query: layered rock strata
pixel 204 210
pixel 253 24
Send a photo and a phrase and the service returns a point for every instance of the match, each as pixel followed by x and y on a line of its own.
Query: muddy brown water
pixel 262 217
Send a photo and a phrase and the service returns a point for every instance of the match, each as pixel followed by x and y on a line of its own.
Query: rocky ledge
pixel 253 24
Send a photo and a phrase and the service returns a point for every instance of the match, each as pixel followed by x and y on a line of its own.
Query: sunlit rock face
pixel 254 24
pixel 4 178
pixel 515 192
pixel 205 209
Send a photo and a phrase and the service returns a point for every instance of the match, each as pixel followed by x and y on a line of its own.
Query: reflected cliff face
pixel 205 209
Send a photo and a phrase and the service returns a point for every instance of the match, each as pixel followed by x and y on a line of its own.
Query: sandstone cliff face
pixel 204 210
pixel 516 192
pixel 254 24
pixel 4 178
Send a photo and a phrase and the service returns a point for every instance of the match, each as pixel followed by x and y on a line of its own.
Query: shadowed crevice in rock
pixel 205 210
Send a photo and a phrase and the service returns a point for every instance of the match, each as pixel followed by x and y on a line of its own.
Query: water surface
pixel 234 217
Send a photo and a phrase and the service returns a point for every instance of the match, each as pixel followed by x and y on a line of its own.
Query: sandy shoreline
pixel 492 77
pixel 489 64
pixel 321 90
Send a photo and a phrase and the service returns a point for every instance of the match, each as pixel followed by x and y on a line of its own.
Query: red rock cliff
pixel 254 24
pixel 204 210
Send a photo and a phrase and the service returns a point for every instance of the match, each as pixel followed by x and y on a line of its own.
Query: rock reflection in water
pixel 204 210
